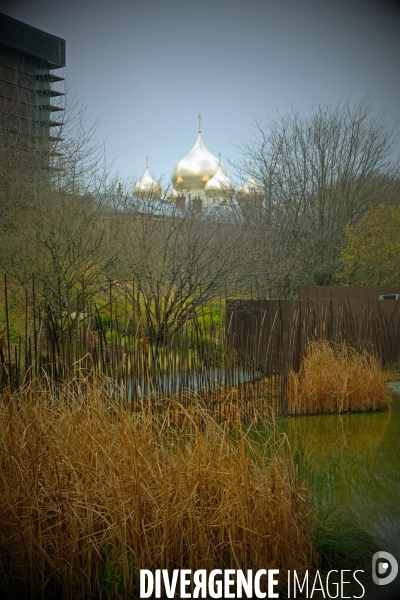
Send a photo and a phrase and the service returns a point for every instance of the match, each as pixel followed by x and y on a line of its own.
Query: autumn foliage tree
pixel 370 254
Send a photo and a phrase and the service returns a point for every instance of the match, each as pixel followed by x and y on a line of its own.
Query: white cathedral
pixel 198 180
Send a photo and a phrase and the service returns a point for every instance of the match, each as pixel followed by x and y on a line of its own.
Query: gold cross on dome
pixel 199 118
pixel 147 162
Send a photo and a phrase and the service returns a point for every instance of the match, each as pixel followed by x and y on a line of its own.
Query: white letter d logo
pixel 383 568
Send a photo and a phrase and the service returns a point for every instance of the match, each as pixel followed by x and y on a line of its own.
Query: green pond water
pixel 352 463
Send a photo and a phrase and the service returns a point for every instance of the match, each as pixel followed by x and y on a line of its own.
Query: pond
pixel 165 385
pixel 352 461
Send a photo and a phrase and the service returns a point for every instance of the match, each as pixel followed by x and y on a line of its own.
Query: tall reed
pixel 91 492
pixel 336 378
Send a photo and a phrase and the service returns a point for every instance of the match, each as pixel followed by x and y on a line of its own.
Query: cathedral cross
pixel 199 118
pixel 219 156
pixel 147 162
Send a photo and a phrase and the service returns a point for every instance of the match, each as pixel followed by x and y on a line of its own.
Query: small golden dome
pixel 219 187
pixel 251 190
pixel 194 170
pixel 147 188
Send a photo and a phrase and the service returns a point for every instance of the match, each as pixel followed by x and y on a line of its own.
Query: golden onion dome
pixel 147 188
pixel 194 170
pixel 219 186
pixel 251 190
pixel 172 195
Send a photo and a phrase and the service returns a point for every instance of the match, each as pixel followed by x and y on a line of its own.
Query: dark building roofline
pixel 32 41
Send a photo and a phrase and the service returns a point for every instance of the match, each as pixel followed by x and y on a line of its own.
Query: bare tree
pixel 71 221
pixel 56 200
pixel 173 262
pixel 319 173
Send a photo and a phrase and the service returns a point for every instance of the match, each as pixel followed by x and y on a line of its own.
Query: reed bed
pixel 91 492
pixel 336 378
pixel 232 348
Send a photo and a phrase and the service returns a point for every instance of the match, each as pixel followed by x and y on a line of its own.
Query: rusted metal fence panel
pixel 336 314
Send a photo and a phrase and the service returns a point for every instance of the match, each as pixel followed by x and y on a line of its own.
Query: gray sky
pixel 147 68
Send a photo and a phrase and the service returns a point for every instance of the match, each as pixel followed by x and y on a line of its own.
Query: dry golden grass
pixel 336 379
pixel 91 492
